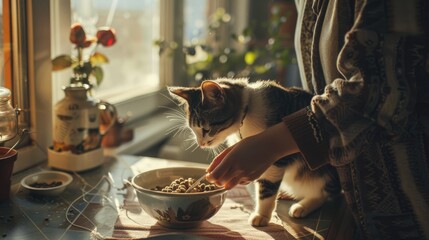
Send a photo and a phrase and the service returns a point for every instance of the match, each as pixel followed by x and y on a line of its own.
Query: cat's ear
pixel 182 94
pixel 213 94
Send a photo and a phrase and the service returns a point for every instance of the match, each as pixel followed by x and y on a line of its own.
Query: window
pixel 18 68
pixel 133 67
pixel 196 16
pixel 208 38
pixel 136 75
pixel 3 46
pixel 41 44
pixel 43 88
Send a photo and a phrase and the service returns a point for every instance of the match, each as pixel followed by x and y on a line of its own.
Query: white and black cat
pixel 225 108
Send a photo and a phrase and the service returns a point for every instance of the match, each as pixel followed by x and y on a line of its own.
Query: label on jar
pixel 76 129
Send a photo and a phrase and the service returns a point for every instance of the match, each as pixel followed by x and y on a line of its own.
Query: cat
pixel 224 109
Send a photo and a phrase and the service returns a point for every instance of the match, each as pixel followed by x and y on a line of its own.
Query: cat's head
pixel 212 110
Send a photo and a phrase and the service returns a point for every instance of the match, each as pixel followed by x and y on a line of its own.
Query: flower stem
pixel 79 55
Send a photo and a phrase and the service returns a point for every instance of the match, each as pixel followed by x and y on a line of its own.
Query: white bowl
pixel 176 210
pixel 47 177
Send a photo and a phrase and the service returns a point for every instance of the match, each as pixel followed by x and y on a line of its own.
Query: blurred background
pixel 159 43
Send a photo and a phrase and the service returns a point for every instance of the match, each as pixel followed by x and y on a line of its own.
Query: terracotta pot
pixel 6 167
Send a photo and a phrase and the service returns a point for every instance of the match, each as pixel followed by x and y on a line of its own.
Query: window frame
pixel 44 88
pixel 24 68
pixel 124 105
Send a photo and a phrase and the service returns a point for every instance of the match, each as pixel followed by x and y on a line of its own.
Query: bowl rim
pixel 66 183
pixel 171 194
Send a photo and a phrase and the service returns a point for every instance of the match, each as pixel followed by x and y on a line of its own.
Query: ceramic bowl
pixel 42 182
pixel 176 210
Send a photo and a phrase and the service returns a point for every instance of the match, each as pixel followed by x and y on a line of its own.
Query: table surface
pixel 98 199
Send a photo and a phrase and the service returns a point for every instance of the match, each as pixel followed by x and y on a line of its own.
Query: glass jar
pixel 8 117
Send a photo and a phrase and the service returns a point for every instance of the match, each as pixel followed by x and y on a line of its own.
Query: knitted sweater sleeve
pixel 383 63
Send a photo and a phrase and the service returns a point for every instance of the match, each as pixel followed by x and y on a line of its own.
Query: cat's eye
pixel 205 131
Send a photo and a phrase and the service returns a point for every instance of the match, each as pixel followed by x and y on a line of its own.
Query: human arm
pixel 379 66
pixel 249 158
pixel 375 94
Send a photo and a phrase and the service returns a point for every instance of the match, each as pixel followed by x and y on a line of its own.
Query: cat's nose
pixel 204 144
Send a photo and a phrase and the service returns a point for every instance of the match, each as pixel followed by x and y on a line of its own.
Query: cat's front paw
pixel 257 220
pixel 297 211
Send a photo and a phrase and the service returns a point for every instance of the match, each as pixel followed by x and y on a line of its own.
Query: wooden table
pixel 110 207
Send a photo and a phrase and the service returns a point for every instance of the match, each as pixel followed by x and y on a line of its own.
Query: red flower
pixel 106 36
pixel 77 34
pixel 86 67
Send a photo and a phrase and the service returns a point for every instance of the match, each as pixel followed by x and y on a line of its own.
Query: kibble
pixel 181 184
pixel 46 185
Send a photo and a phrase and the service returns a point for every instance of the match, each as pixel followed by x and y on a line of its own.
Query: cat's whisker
pixel 212 155
pixel 170 130
pixel 190 146
pixel 217 150
pixel 177 132
pixel 196 147
pixel 177 119
pixel 211 152
pixel 175 127
pixel 168 98
pixel 178 111
pixel 181 130
pixel 175 115
pixel 191 136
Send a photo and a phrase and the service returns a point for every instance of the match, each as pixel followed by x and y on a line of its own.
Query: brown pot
pixel 6 167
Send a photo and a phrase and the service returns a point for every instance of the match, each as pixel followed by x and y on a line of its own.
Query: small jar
pixel 8 117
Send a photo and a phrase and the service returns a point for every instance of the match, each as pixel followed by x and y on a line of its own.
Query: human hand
pixel 249 158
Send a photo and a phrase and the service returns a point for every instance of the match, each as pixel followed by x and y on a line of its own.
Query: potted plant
pixel 77 135
pixel 86 68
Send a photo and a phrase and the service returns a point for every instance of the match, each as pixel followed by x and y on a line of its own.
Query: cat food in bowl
pixel 159 196
pixel 48 183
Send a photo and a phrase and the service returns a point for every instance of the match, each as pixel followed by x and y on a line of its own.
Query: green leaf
pixel 98 74
pixel 75 62
pixel 61 62
pixel 250 57
pixel 247 32
pixel 260 69
pixel 158 42
pixel 98 58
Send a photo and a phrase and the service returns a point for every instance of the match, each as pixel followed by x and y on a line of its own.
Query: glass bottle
pixel 8 117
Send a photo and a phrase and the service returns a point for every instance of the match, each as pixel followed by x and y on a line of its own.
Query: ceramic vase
pixel 76 128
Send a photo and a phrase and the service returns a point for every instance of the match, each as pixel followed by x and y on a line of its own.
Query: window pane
pixel 133 66
pixel 196 16
pixel 2 50
pixel 5 46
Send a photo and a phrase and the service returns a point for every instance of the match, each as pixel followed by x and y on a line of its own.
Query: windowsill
pixel 147 133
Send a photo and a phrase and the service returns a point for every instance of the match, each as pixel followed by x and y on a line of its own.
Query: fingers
pixel 210 178
pixel 215 171
pixel 218 159
pixel 217 178
pixel 232 183
pixel 244 182
pixel 220 173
